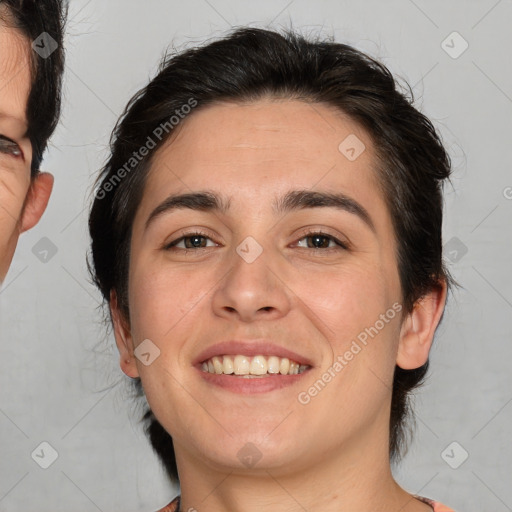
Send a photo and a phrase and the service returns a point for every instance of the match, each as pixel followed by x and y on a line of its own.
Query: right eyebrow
pixel 205 201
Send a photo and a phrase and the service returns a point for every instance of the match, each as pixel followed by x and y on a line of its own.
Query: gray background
pixel 59 375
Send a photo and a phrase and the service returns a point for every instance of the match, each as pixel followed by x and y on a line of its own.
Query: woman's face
pixel 22 200
pixel 260 276
pixel 15 148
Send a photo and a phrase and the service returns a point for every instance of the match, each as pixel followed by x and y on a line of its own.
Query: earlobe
pixel 37 200
pixel 123 337
pixel 418 328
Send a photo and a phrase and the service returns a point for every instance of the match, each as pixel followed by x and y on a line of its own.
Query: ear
pixel 123 337
pixel 417 332
pixel 37 199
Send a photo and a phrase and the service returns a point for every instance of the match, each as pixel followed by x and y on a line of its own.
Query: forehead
pixel 266 124
pixel 266 146
pixel 14 74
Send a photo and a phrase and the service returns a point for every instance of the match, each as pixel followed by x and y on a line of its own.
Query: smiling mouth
pixel 252 367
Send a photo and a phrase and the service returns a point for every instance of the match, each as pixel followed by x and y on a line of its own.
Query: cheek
pixel 7 221
pixel 359 313
pixel 161 300
pixel 12 196
pixel 346 299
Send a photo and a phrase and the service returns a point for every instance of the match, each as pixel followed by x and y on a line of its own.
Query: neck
pixel 356 476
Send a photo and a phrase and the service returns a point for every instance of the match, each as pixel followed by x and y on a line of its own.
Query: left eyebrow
pixel 292 200
pixel 202 201
pixel 300 199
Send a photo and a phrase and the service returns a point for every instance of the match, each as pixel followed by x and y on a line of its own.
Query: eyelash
pixel 10 145
pixel 310 233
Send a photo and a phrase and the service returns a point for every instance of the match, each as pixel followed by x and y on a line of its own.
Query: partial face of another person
pixel 22 199
pixel 304 281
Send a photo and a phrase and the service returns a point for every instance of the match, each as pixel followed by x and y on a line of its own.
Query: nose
pixel 252 289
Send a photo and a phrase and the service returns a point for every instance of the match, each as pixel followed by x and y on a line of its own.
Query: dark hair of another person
pixel 250 64
pixel 32 18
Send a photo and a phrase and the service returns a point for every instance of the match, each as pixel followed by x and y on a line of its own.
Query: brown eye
pixel 191 241
pixel 9 147
pixel 321 240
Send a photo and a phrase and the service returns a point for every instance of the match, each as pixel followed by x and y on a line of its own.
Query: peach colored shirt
pixel 438 507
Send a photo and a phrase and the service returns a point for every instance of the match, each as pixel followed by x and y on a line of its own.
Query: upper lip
pixel 250 349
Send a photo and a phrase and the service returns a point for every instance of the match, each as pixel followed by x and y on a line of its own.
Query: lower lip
pixel 239 384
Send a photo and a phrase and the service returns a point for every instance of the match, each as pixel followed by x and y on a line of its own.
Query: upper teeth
pixel 257 365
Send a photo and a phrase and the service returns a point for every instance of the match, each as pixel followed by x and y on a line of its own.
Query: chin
pixel 254 450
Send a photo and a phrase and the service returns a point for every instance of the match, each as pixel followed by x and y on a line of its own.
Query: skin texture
pixel 331 454
pixel 22 199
